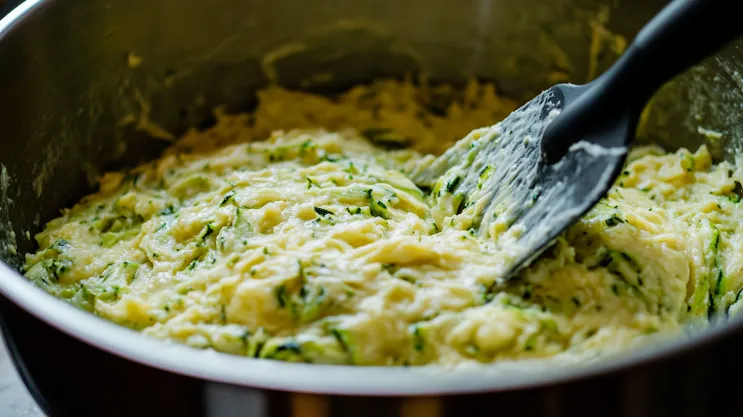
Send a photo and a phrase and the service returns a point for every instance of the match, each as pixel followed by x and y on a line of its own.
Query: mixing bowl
pixel 72 74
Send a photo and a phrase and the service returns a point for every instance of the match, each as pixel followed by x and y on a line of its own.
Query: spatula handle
pixel 684 33
pixel 681 35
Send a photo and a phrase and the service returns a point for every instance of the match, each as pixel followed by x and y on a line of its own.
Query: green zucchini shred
pixel 417 333
pixel 229 196
pixel 484 175
pixel 282 296
pixel 614 220
pixel 190 186
pixel 322 212
pixel 376 207
pixel 317 350
pixel 109 239
pixel 241 224
pixel 386 138
pixel 452 184
pixel 345 342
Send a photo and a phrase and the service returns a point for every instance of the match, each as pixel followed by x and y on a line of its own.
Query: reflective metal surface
pixel 66 91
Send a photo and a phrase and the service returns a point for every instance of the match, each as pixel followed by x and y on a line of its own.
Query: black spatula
pixel 535 173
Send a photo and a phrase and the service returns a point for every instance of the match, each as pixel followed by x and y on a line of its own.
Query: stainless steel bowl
pixel 65 86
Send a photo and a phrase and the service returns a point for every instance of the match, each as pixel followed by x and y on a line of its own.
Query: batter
pixel 294 234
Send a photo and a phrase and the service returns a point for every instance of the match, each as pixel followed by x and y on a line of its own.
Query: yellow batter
pixel 288 234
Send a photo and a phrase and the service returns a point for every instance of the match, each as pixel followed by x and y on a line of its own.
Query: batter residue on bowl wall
pixel 294 234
